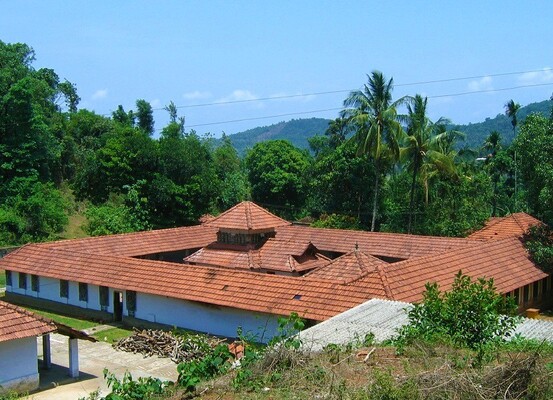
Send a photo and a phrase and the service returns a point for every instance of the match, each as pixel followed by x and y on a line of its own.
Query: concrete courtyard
pixel 55 384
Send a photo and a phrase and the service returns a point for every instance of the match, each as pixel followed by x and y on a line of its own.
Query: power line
pixel 265 117
pixel 337 109
pixel 218 103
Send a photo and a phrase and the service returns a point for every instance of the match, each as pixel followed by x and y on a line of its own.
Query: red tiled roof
pixel 274 255
pixel 348 280
pixel 513 225
pixel 393 245
pixel 280 295
pixel 141 243
pixel 247 216
pixel 348 267
pixel 18 323
pixel 506 261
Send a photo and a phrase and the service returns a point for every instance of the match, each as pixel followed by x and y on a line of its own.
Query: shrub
pixel 539 242
pixel 471 315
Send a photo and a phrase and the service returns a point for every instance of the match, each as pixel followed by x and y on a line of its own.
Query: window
pixel 35 283
pixel 8 278
pixel 131 302
pixel 64 288
pixel 83 291
pixel 22 280
pixel 104 298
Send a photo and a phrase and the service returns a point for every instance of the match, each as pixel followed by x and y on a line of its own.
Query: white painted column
pixel 46 352
pixel 74 358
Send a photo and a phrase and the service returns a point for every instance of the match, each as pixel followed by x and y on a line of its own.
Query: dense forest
pixel 372 168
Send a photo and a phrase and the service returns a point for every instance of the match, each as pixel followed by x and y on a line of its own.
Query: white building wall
pixel 215 320
pixel 19 365
pixel 49 289
pixel 222 321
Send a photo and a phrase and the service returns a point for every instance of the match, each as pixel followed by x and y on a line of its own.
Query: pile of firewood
pixel 165 344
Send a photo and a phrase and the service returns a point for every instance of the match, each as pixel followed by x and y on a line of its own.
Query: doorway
pixel 117 306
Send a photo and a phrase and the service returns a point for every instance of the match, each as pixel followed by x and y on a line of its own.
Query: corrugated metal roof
pixel 379 317
pixel 537 329
pixel 384 318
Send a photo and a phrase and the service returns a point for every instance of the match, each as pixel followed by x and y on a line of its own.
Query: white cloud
pixel 100 94
pixel 196 95
pixel 239 95
pixel 155 103
pixel 536 77
pixel 484 83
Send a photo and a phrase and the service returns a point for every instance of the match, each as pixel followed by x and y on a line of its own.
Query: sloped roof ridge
pixel 365 270
pixel 517 217
pixel 395 234
pixel 384 278
pixel 248 215
pixel 248 208
pixel 115 235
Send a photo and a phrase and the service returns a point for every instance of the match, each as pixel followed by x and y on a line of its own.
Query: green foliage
pixel 471 314
pixel 10 395
pixel 234 185
pixel 121 214
pixel 215 362
pixel 129 389
pixel 31 210
pixel 456 205
pixel 539 242
pixel 337 221
pixel 276 170
pixel 534 147
pixel 341 183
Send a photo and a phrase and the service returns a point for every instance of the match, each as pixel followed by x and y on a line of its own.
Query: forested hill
pixel 476 133
pixel 297 131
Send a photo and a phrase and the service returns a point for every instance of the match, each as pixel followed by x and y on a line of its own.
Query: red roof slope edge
pixel 18 323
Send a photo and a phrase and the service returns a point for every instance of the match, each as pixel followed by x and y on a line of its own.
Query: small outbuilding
pixel 19 330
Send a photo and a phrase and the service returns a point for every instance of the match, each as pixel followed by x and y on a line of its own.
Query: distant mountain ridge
pixel 477 133
pixel 298 131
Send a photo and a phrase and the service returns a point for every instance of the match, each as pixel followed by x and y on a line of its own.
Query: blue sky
pixel 204 52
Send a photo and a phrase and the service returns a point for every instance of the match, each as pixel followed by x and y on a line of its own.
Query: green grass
pixel 74 323
pixel 112 335
pixel 2 278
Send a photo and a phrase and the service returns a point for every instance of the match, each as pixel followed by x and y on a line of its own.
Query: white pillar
pixel 73 358
pixel 46 352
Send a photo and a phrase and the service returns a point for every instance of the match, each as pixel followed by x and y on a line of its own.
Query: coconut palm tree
pixel 428 146
pixel 511 109
pixel 493 145
pixel 374 118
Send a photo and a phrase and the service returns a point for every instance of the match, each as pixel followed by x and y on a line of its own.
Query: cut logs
pixel 166 344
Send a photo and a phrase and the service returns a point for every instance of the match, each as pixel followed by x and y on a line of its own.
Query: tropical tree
pixel 426 147
pixel 277 174
pixel 377 129
pixel 511 109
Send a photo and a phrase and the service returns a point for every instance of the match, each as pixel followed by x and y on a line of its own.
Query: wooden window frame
pixel 83 291
pixel 22 281
pixel 64 289
pixel 35 283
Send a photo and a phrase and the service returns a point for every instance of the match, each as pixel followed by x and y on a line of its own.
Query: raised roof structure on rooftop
pixel 247 217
